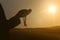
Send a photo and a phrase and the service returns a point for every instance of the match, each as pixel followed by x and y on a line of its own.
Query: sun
pixel 52 9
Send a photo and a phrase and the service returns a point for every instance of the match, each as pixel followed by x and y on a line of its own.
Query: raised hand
pixel 23 13
pixel 15 20
pixel 6 25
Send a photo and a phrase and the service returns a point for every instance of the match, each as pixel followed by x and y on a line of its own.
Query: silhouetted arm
pixel 23 13
pixel 8 24
pixel 13 22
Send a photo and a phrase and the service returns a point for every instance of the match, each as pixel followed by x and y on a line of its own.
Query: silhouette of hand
pixel 23 13
pixel 6 25
pixel 15 20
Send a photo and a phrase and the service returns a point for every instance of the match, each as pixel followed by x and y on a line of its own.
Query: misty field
pixel 34 34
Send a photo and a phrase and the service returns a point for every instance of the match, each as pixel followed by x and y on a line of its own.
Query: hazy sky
pixel 39 17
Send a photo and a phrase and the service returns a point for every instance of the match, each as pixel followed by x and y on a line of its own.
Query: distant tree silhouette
pixel 6 25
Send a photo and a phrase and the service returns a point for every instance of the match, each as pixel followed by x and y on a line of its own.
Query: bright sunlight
pixel 52 9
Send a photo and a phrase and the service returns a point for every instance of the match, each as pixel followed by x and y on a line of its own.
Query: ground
pixel 34 34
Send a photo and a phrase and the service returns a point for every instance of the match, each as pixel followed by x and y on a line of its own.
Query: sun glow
pixel 52 9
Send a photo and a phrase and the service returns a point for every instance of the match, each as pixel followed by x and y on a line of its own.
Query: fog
pixel 39 16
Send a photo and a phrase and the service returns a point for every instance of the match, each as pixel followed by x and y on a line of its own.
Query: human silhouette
pixel 6 25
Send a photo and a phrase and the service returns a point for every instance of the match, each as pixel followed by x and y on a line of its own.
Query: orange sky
pixel 39 16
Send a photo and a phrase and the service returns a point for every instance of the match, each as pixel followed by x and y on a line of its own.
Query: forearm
pixel 13 22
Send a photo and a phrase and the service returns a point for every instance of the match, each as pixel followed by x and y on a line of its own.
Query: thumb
pixel 24 20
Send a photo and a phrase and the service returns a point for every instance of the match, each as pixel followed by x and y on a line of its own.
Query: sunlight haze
pixel 45 13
